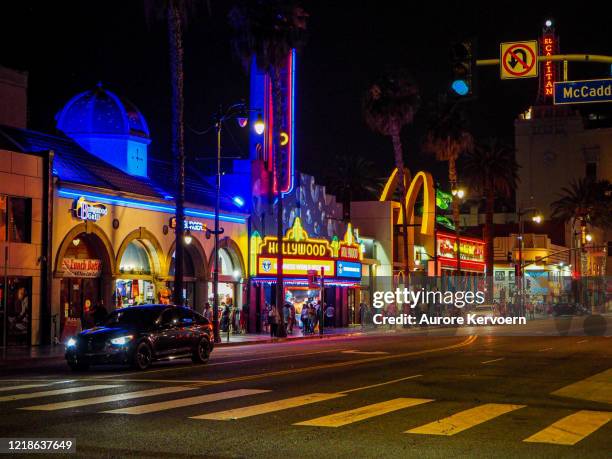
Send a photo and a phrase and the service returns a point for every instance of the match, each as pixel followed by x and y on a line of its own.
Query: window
pixel 591 171
pixel 15 219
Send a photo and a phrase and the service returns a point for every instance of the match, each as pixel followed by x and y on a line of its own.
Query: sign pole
pixel 322 319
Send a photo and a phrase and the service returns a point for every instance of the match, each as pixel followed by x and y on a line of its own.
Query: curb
pixel 33 361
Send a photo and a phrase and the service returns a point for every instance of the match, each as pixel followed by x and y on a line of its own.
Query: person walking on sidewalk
pixel 330 312
pixel 273 321
pixel 304 319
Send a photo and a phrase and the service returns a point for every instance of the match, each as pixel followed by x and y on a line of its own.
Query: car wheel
pixel 201 352
pixel 78 366
pixel 142 356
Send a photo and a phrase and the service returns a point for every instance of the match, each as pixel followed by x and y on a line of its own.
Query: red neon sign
pixel 548 46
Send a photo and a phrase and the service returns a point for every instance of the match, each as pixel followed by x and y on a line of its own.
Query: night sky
pixel 67 47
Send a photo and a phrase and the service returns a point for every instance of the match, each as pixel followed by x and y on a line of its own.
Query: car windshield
pixel 133 317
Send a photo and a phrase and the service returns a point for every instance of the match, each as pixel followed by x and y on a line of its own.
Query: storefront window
pixel 227 293
pixel 131 292
pixel 15 219
pixel 225 262
pixel 18 306
pixel 136 285
pixel 135 259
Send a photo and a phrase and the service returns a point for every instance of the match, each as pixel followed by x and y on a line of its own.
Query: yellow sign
pixel 422 180
pixel 296 242
pixel 295 266
pixel 518 59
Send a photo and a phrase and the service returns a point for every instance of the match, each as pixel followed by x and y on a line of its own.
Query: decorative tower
pixel 549 71
pixel 108 126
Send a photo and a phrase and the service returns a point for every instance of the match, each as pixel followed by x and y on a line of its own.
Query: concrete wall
pixel 21 175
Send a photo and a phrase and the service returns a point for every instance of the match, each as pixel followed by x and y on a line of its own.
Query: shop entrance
pixel 80 286
pixel 135 286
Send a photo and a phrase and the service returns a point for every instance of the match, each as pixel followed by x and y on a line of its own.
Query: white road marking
pixel 582 341
pixel 107 398
pixel 365 352
pixel 47 393
pixel 30 386
pixel 545 349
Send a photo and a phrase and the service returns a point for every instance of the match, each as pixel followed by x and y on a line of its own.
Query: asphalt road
pixel 396 394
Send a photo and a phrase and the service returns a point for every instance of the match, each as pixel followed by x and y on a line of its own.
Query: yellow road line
pixel 465 419
pixel 269 407
pixel 364 412
pixel 573 428
pixel 107 398
pixel 597 388
pixel 199 399
pixel 379 384
pixel 47 393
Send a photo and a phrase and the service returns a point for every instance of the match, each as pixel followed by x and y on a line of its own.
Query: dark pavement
pixel 399 393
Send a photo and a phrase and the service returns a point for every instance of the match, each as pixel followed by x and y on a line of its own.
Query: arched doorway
pixel 194 287
pixel 231 272
pixel 138 268
pixel 84 266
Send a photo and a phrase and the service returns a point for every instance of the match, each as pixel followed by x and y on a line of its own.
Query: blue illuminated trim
pixel 292 89
pixel 136 204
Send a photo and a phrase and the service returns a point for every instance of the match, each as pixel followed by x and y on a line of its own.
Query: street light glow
pixel 187 237
pixel 537 218
pixel 589 237
pixel 259 125
pixel 548 23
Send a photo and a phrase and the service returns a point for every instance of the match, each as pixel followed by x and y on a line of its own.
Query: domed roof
pixel 100 111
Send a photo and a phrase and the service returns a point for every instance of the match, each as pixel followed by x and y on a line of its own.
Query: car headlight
pixel 71 342
pixel 122 340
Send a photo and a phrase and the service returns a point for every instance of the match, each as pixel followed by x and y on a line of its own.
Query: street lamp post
pixel 537 218
pixel 240 112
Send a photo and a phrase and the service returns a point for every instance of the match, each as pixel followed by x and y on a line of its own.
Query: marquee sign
pixel 86 210
pixel 303 253
pixel 471 251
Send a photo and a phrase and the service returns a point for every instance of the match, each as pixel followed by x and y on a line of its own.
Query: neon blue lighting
pixel 137 204
pixel 238 201
pixel 292 95
pixel 460 87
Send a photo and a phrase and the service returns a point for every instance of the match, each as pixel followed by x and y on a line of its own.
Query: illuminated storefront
pixel 338 260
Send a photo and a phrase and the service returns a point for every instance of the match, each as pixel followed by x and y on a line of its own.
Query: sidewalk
pixel 49 352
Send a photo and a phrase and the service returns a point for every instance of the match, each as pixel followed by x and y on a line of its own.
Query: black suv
pixel 140 334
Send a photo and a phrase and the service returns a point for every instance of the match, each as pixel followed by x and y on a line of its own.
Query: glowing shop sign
pixel 471 250
pixel 348 269
pixel 86 210
pixel 295 266
pixel 81 267
pixel 191 225
pixel 297 242
pixel 422 180
pixel 548 45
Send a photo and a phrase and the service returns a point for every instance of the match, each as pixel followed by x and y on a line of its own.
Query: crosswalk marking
pixel 107 398
pixel 47 393
pixel 597 388
pixel 199 399
pixel 365 412
pixel 573 428
pixel 30 386
pixel 465 419
pixel 269 407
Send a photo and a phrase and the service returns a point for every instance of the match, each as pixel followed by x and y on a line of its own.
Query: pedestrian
pixel 304 319
pixel 207 313
pixel 330 313
pixel 265 324
pixel 291 317
pixel 99 314
pixel 244 318
pixel 225 317
pixel 273 320
pixel 286 316
pixel 311 318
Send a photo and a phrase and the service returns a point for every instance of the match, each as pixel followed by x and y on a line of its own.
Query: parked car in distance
pixel 139 335
pixel 484 310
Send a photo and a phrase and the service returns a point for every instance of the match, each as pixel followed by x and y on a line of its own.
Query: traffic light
pixel 463 66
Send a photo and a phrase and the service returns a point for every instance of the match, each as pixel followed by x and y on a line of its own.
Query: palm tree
pixel 492 170
pixel 388 105
pixel 585 200
pixel 353 178
pixel 176 14
pixel 447 138
pixel 267 31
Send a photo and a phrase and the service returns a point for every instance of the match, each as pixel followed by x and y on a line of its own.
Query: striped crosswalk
pixel 566 429
pixel 464 420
